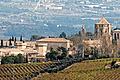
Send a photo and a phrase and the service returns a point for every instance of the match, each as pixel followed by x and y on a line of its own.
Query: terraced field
pixel 21 71
pixel 30 70
pixel 85 70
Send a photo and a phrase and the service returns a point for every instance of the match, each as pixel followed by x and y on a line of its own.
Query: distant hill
pixel 19 17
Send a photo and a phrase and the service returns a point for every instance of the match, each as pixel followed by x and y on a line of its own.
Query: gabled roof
pixel 103 21
pixel 53 40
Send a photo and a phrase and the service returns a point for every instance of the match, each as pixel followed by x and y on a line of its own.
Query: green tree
pixel 15 39
pixel 52 55
pixel 62 35
pixel 13 59
pixel 21 39
pixel 63 51
pixel 34 37
pixel 12 38
pixel 10 43
pixel 48 56
pixel 8 60
pixel 1 43
pixel 60 53
pixel 19 58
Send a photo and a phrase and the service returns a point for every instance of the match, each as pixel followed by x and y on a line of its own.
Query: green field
pixel 85 70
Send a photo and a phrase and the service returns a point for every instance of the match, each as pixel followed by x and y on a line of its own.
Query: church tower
pixel 103 32
pixel 103 27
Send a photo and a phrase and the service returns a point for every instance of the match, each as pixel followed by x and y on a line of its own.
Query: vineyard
pixel 70 69
pixel 21 71
pixel 85 70
pixel 30 70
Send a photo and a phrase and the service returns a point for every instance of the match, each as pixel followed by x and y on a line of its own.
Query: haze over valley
pixel 51 17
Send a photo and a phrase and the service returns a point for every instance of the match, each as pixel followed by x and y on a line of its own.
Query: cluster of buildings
pixel 104 37
pixel 36 49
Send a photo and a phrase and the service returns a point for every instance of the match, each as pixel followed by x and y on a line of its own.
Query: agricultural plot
pixel 85 70
pixel 21 71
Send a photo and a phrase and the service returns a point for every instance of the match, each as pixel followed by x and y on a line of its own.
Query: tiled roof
pixel 103 21
pixel 53 40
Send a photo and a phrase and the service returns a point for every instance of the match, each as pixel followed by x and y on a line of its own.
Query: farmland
pixel 72 69
pixel 21 71
pixel 85 70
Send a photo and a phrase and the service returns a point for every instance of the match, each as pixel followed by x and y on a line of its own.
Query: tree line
pixel 12 59
pixel 10 41
pixel 58 54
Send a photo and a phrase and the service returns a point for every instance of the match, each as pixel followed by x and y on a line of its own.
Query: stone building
pixel 103 33
pixel 102 37
pixel 36 50
pixel 103 27
pixel 44 45
pixel 116 36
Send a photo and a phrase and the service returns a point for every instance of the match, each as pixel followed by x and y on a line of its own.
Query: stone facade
pixel 44 45
pixel 102 28
pixel 116 36
pixel 103 31
pixel 102 37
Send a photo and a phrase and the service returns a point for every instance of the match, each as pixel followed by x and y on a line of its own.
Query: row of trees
pixel 13 59
pixel 14 38
pixel 36 37
pixel 62 64
pixel 94 52
pixel 10 41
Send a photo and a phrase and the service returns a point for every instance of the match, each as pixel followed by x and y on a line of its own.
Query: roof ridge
pixel 54 39
pixel 103 20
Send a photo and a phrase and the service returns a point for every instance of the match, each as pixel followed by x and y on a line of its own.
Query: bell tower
pixel 103 27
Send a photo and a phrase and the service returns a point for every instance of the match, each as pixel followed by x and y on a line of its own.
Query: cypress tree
pixel 20 38
pixel 15 41
pixel 12 38
pixel 1 43
pixel 10 43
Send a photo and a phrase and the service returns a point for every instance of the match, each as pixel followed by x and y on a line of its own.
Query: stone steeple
pixel 103 27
